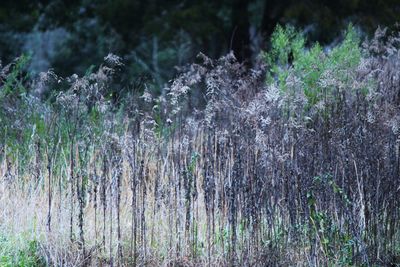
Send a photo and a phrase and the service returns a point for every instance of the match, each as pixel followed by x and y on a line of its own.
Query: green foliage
pixel 14 82
pixel 13 254
pixel 337 245
pixel 193 160
pixel 18 114
pixel 285 42
pixel 319 72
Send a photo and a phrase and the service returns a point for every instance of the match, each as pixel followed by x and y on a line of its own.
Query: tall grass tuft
pixel 295 161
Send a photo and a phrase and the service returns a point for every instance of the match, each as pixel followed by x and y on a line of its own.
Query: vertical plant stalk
pixel 132 162
pixel 111 188
pixel 103 199
pixel 72 191
pixel 95 204
pixel 118 205
pixel 49 196
pixel 50 161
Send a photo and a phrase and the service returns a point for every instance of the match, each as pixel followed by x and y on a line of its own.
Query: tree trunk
pixel 240 37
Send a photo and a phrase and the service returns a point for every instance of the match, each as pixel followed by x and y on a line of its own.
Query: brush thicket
pixel 303 169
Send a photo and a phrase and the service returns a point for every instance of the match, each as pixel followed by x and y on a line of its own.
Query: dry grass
pixel 299 172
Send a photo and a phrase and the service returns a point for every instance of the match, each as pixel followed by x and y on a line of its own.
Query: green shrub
pixel 315 69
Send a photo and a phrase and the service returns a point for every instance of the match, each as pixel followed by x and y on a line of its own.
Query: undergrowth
pixel 295 161
pixel 13 253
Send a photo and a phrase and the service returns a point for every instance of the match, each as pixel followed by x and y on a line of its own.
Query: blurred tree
pixel 155 35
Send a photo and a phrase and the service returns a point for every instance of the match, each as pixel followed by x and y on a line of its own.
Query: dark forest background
pixel 155 36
